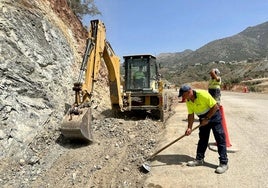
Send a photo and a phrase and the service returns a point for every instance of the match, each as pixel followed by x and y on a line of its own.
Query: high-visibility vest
pixel 202 104
pixel 214 84
pixel 138 75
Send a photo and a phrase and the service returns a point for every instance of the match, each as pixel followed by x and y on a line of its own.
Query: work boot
pixel 221 168
pixel 195 162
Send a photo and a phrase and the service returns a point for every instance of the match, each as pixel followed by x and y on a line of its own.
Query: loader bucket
pixel 78 127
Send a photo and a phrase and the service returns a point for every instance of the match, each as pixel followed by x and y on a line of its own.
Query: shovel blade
pixel 78 127
pixel 146 167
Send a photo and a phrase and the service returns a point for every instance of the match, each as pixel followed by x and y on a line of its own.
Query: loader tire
pixel 158 114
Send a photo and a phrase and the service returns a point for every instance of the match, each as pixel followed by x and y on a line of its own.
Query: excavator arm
pixel 77 122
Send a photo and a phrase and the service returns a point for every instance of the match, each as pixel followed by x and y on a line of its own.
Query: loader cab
pixel 141 73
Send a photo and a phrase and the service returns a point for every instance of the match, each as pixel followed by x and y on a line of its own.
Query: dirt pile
pixel 112 160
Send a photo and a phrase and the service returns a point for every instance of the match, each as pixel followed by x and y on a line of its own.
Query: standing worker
pixel 201 103
pixel 214 85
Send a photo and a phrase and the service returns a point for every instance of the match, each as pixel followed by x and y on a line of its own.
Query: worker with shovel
pixel 201 103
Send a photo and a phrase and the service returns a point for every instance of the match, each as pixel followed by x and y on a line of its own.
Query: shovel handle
pixel 152 156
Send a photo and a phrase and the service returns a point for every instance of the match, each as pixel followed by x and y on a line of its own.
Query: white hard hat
pixel 216 71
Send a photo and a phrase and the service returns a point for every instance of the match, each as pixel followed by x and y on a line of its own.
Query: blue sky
pixel 155 26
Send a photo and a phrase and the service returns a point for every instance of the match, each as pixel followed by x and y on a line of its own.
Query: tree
pixel 83 7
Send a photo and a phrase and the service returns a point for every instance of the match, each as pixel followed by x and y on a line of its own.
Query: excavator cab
pixel 141 73
pixel 143 87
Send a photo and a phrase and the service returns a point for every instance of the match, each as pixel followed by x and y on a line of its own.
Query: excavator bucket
pixel 78 127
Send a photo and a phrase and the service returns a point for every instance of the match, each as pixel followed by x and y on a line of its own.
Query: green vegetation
pixel 83 7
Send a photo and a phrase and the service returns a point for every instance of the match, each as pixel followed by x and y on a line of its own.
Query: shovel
pixel 146 166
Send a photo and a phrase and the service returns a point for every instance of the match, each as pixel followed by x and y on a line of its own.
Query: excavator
pixel 128 92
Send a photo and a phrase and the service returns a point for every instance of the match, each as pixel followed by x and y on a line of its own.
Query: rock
pixel 126 169
pixel 22 162
pixel 33 160
pixel 2 135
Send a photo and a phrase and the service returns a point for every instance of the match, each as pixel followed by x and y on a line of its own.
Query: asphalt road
pixel 246 121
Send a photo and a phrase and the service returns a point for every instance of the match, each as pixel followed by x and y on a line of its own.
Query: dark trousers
pixel 215 124
pixel 216 94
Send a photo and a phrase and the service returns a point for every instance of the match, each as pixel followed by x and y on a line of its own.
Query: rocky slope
pixel 37 66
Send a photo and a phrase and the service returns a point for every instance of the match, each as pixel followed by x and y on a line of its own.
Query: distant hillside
pixel 250 43
pixel 172 59
pixel 239 57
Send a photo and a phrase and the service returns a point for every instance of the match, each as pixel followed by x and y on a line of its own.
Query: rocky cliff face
pixel 38 63
pixel 61 9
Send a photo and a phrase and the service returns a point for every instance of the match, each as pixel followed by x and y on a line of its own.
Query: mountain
pixel 248 46
pixel 173 58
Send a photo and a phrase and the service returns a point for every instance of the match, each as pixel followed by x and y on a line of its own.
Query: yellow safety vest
pixel 138 75
pixel 202 103
pixel 214 84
